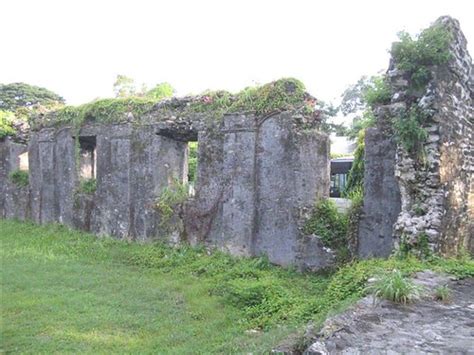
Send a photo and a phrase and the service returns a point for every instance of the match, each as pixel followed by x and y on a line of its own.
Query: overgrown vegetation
pixel 409 130
pixel 19 177
pixel 171 198
pixel 395 287
pixel 192 161
pixel 170 293
pixel 6 123
pixel 87 186
pixel 416 56
pixel 280 95
pixel 330 225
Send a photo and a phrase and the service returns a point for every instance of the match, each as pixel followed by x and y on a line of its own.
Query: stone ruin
pixel 258 176
pixel 403 200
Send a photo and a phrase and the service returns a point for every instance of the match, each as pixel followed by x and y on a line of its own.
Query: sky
pixel 76 48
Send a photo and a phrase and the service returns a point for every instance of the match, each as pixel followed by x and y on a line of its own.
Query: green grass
pixel 67 291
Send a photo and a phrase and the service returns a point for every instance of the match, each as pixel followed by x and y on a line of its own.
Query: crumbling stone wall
pixel 437 196
pixel 14 199
pixel 271 173
pixel 258 177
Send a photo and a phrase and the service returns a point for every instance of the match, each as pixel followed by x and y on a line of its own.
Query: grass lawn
pixel 63 291
pixel 67 291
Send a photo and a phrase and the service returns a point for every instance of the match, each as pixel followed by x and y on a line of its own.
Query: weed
pixel 19 177
pixel 395 287
pixel 87 186
pixel 443 293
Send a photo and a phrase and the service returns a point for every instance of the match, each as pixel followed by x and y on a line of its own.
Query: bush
pixel 409 130
pixel 170 198
pixel 396 288
pixel 20 178
pixel 378 92
pixel 331 226
pixel 88 186
pixel 416 56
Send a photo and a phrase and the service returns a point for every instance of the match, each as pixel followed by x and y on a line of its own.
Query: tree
pixel 160 91
pixel 17 95
pixel 124 86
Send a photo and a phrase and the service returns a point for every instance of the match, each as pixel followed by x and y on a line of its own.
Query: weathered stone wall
pixel 14 199
pixel 436 194
pixel 257 179
pixel 382 195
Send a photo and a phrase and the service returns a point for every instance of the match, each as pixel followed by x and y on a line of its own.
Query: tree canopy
pixel 17 95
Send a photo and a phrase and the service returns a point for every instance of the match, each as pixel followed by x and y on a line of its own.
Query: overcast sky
pixel 76 48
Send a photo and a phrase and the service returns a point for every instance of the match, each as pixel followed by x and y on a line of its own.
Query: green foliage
pixel 443 293
pixel 170 199
pixel 330 225
pixel 19 177
pixel 160 91
pixel 395 287
pixel 355 180
pixel 6 124
pixel 281 95
pixel 409 130
pixel 201 288
pixel 192 161
pixel 417 55
pixel 104 111
pixel 360 123
pixel 378 92
pixel 16 95
pixel 87 186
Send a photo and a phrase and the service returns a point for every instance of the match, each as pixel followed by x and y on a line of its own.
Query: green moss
pixel 19 177
pixel 280 95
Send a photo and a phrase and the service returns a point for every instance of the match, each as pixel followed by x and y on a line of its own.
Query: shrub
pixel 170 198
pixel 88 186
pixel 20 178
pixel 416 56
pixel 377 92
pixel 395 287
pixel 409 130
pixel 330 225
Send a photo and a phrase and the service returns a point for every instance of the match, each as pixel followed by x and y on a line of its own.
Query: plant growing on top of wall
pixel 19 177
pixel 416 56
